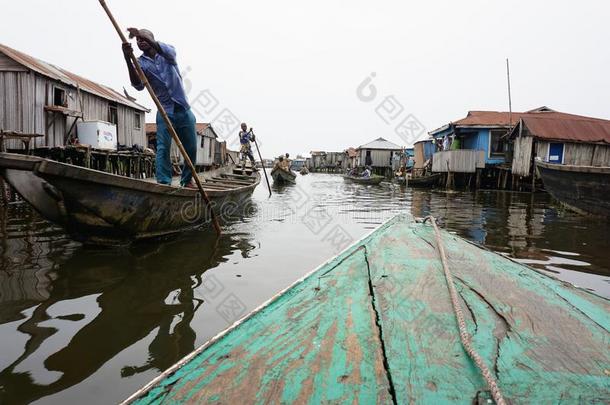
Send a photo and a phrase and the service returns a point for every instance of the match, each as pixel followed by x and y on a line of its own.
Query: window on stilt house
pixel 497 143
pixel 137 117
pixel 59 97
pixel 113 116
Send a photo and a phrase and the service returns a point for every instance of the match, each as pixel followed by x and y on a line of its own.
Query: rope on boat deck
pixel 464 335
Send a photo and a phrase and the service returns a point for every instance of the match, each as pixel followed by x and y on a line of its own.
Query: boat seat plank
pixel 317 344
pixel 228 181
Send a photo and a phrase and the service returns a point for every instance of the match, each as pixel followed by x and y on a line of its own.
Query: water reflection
pixel 146 288
pixel 530 228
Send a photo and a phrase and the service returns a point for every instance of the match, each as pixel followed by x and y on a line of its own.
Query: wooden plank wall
pixel 458 161
pixel 379 158
pixel 522 156
pixel 419 157
pixel 579 153
pixel 601 156
pixel 22 97
pixel 24 94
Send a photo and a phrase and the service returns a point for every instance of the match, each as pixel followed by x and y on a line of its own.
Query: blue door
pixel 556 153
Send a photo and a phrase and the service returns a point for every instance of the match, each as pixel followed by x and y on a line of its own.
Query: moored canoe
pixel 102 208
pixel 374 179
pixel 583 189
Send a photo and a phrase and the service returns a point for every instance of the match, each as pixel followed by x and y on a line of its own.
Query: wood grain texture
pixel 376 325
pixel 316 344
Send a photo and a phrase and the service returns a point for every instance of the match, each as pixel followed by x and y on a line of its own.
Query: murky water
pixel 89 325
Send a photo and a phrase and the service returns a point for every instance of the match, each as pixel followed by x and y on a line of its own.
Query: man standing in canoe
pixel 245 137
pixel 287 162
pixel 158 62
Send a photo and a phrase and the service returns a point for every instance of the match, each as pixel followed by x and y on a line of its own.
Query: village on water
pixel 155 248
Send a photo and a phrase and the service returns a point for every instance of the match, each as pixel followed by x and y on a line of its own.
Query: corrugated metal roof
pixel 566 128
pixel 380 143
pixel 200 127
pixel 543 123
pixel 351 152
pixel 69 78
pixel 491 118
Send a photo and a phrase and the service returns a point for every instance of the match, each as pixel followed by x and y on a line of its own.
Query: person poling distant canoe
pixel 287 162
pixel 366 173
pixel 158 62
pixel 279 164
pixel 245 137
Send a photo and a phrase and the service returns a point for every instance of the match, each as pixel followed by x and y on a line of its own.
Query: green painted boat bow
pixel 375 325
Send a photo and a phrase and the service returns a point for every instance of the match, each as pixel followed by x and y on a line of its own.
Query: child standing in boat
pixel 158 62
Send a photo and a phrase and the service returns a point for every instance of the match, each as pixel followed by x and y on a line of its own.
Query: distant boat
pixel 281 176
pixel 375 324
pixel 96 207
pixel 373 179
pixel 429 180
pixel 584 189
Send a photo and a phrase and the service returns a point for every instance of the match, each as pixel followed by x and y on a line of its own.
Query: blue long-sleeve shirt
pixel 164 76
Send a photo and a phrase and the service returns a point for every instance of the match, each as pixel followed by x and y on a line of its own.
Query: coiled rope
pixel 464 335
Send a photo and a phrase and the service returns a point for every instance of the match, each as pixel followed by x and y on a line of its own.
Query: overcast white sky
pixel 291 70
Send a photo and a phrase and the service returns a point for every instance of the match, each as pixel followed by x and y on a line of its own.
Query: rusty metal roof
pixel 69 78
pixel 351 152
pixel 564 127
pixel 200 127
pixel 488 118
pixel 542 123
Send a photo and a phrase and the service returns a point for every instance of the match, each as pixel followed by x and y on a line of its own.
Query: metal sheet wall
pixel 24 94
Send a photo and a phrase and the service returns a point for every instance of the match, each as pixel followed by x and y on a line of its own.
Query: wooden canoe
pixel 424 181
pixel 375 325
pixel 374 179
pixel 102 208
pixel 584 189
pixel 281 176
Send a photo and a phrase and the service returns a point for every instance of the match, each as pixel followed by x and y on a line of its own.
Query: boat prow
pixel 584 189
pixel 375 324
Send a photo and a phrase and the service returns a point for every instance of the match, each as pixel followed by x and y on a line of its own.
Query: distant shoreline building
pixel 380 154
pixel 499 147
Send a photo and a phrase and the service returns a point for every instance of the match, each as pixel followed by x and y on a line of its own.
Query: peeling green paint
pixel 328 340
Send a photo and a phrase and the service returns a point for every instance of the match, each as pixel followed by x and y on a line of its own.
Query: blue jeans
pixel 183 122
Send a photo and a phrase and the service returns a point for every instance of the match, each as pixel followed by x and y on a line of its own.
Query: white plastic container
pixel 98 134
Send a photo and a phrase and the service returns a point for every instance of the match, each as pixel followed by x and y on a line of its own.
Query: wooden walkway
pixel 375 325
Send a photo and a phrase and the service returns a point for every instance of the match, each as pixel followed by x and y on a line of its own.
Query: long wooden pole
pixel 262 163
pixel 510 104
pixel 168 123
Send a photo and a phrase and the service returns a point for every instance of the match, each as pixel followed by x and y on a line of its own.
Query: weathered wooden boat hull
pixel 373 180
pixel 584 189
pixel 101 208
pixel 283 177
pixel 375 325
pixel 424 181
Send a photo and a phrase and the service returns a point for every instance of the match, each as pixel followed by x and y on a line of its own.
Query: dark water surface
pixel 93 325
